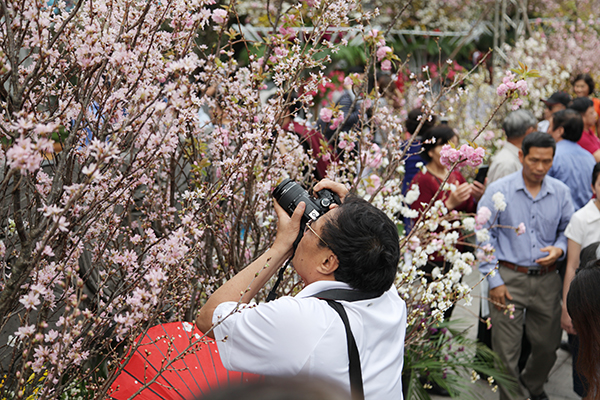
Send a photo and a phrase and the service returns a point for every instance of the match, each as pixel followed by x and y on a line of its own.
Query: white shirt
pixel 584 227
pixel 302 334
pixel 504 162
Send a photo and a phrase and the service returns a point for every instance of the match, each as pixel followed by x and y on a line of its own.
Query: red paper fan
pixel 198 371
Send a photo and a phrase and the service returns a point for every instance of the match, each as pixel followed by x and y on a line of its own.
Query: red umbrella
pixel 196 372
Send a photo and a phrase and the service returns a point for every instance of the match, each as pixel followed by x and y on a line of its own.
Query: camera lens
pixel 289 194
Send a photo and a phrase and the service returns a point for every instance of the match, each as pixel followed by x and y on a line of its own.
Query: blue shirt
pixel 546 217
pixel 413 157
pixel 573 166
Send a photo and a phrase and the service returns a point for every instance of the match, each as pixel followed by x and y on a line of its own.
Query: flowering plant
pixel 138 162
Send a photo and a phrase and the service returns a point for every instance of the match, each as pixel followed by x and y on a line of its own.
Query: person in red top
pixel 589 140
pixel 463 198
pixel 584 86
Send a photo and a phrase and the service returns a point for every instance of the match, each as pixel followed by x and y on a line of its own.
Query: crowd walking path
pixel 560 381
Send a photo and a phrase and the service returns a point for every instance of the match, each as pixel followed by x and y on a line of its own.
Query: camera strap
pixel 273 293
pixel 354 369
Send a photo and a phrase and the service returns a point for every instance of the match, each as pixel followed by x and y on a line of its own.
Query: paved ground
pixel 560 383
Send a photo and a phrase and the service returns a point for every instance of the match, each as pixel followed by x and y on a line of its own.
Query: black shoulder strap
pixel 354 369
pixel 346 294
pixel 356 383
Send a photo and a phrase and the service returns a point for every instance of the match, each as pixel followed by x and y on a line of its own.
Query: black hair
pixel 279 387
pixel 581 104
pixel 595 173
pixel 538 139
pixel 413 121
pixel 366 243
pixel 588 81
pixel 571 122
pixel 442 135
pixel 583 304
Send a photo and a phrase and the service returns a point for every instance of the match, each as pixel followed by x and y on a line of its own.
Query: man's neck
pixel 532 187
pixel 516 141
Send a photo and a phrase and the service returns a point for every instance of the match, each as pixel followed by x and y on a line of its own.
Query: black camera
pixel 289 194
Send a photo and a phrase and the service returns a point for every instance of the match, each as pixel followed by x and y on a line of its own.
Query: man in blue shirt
pixel 526 276
pixel 573 165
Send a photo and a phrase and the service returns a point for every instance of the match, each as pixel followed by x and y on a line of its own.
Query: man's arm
pixel 573 250
pixel 558 250
pixel 246 283
pixel 498 293
pixel 486 266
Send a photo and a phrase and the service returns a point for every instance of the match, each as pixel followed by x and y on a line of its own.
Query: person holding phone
pixel 463 197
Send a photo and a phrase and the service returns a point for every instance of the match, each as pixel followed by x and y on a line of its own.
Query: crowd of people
pixel 548 174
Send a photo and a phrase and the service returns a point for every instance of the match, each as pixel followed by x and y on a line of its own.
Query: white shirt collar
pixel 594 213
pixel 319 286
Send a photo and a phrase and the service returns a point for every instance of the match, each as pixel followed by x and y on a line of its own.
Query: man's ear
pixel 521 156
pixel 329 264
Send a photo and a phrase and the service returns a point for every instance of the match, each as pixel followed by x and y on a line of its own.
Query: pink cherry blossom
pixel 374 183
pixel 30 300
pixel 521 229
pixel 383 51
pixel 502 90
pixel 25 331
pixel 219 15
pixel 482 217
pixel 24 156
pixel 386 65
pixel 489 135
pixel 449 155
pixel 521 86
pixel 337 120
pixel 414 242
pixel 516 104
pixel 325 114
pixel 473 157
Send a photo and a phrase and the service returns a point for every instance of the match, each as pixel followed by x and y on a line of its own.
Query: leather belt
pixel 526 270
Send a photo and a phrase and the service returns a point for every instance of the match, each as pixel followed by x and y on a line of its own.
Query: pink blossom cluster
pixel 482 217
pixel 219 15
pixel 26 155
pixel 329 115
pixel 486 253
pixel 384 53
pixel 465 155
pixel 513 88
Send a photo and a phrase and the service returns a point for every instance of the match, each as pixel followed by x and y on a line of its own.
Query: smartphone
pixel 482 173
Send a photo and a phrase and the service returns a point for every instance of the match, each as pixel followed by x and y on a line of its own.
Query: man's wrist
pixel 280 250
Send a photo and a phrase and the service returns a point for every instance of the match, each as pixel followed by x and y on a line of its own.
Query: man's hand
pixel 566 323
pixel 246 283
pixel 335 187
pixel 553 254
pixel 287 227
pixel 498 296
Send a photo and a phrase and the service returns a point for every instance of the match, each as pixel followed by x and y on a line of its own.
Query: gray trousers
pixel 540 296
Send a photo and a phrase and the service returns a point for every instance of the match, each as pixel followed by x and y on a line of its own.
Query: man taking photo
pixel 350 254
